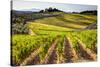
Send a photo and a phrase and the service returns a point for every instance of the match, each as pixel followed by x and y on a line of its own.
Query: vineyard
pixel 56 39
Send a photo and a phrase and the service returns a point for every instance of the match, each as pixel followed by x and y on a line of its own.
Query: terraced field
pixel 71 21
pixel 55 40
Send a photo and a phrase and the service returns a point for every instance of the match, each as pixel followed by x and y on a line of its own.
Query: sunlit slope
pixel 72 21
pixel 39 28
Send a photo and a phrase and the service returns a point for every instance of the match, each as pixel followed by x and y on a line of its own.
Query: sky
pixel 22 5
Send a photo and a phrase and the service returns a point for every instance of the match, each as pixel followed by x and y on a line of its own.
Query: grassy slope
pixel 71 21
pixel 40 28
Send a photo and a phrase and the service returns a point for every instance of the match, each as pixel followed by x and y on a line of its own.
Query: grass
pixel 59 49
pixel 23 45
pixel 40 28
pixel 88 37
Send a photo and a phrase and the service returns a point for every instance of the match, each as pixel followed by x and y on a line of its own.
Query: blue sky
pixel 20 5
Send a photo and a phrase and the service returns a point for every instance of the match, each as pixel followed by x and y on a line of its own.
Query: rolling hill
pixel 55 39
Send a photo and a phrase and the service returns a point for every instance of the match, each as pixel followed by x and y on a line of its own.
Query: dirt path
pixel 31 32
pixel 31 57
pixel 51 54
pixel 85 52
pixel 53 58
pixel 69 51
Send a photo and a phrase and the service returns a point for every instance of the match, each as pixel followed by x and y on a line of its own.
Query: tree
pixel 46 10
pixel 50 9
pixel 41 11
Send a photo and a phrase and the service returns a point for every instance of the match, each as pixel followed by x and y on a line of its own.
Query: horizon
pixel 28 5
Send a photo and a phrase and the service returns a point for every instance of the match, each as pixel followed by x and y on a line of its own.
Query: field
pixel 60 38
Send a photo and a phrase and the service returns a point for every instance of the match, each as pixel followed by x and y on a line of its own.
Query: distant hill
pixel 21 12
pixel 26 11
pixel 32 10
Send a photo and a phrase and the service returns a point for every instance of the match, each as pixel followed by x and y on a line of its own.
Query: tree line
pixel 93 12
pixel 50 9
